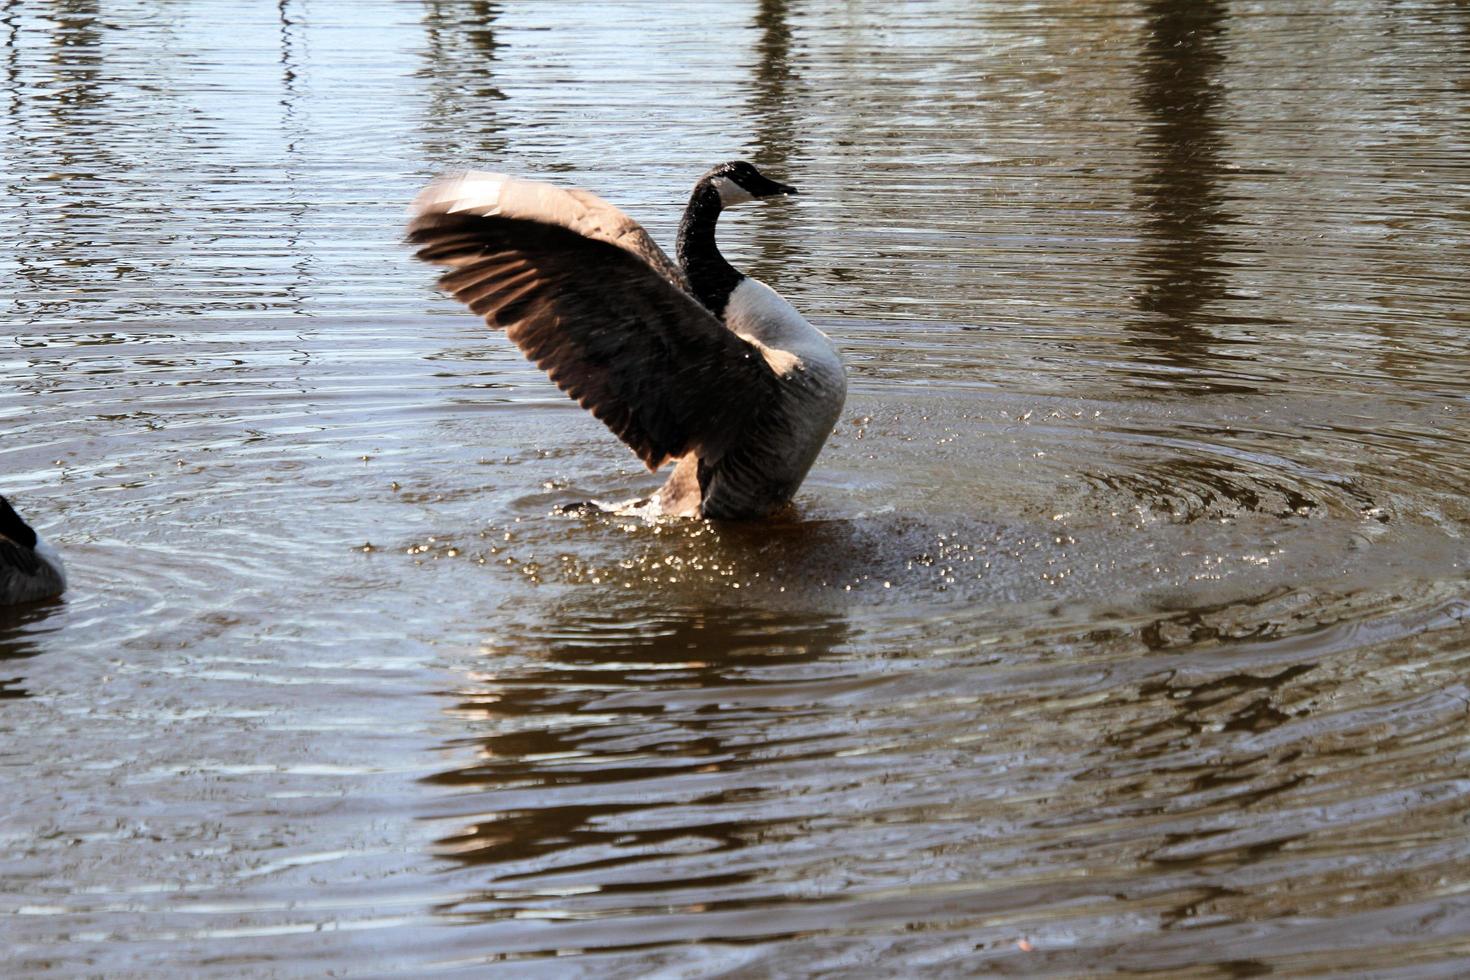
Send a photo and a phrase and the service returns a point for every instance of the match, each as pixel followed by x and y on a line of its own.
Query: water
pixel 1120 628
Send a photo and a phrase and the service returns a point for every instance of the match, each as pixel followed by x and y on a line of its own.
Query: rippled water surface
pixel 1121 628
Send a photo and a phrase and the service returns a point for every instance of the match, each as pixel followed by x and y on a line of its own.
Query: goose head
pixel 710 277
pixel 738 182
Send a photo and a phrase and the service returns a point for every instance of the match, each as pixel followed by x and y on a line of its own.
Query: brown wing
pixel 613 332
pixel 583 212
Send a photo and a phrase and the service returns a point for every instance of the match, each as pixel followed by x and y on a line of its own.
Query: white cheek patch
pixel 731 193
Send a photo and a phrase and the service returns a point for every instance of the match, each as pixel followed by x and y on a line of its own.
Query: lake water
pixel 1121 627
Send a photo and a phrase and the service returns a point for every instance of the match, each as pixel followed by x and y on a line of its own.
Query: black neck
pixel 710 276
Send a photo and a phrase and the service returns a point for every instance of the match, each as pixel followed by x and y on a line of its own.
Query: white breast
pixel 813 387
pixel 758 313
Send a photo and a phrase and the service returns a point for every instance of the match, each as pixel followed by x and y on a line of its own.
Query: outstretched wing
pixel 573 287
pixel 485 194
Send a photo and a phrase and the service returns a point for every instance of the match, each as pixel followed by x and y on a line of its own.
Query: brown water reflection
pixel 595 674
pixel 460 71
pixel 1182 195
pixel 1124 615
pixel 647 781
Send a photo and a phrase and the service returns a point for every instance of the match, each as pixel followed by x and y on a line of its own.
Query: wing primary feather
pixel 608 325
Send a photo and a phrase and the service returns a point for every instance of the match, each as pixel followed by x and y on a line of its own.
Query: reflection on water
pixel 1183 202
pixel 1050 669
pixel 22 634
pixel 604 686
pixel 650 778
pixel 296 135
pixel 775 102
pixel 460 53
pixel 775 108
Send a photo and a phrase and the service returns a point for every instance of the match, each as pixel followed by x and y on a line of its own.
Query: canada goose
pixel 694 362
pixel 29 568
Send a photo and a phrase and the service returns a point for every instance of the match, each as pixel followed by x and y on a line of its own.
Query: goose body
pixel 30 569
pixel 688 361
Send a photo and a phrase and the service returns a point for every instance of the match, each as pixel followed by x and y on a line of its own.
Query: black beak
pixel 771 188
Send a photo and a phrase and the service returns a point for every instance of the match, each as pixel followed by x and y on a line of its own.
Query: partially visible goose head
pixel 30 569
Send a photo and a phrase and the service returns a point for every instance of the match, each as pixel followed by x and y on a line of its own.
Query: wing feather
pixel 488 194
pixel 574 287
